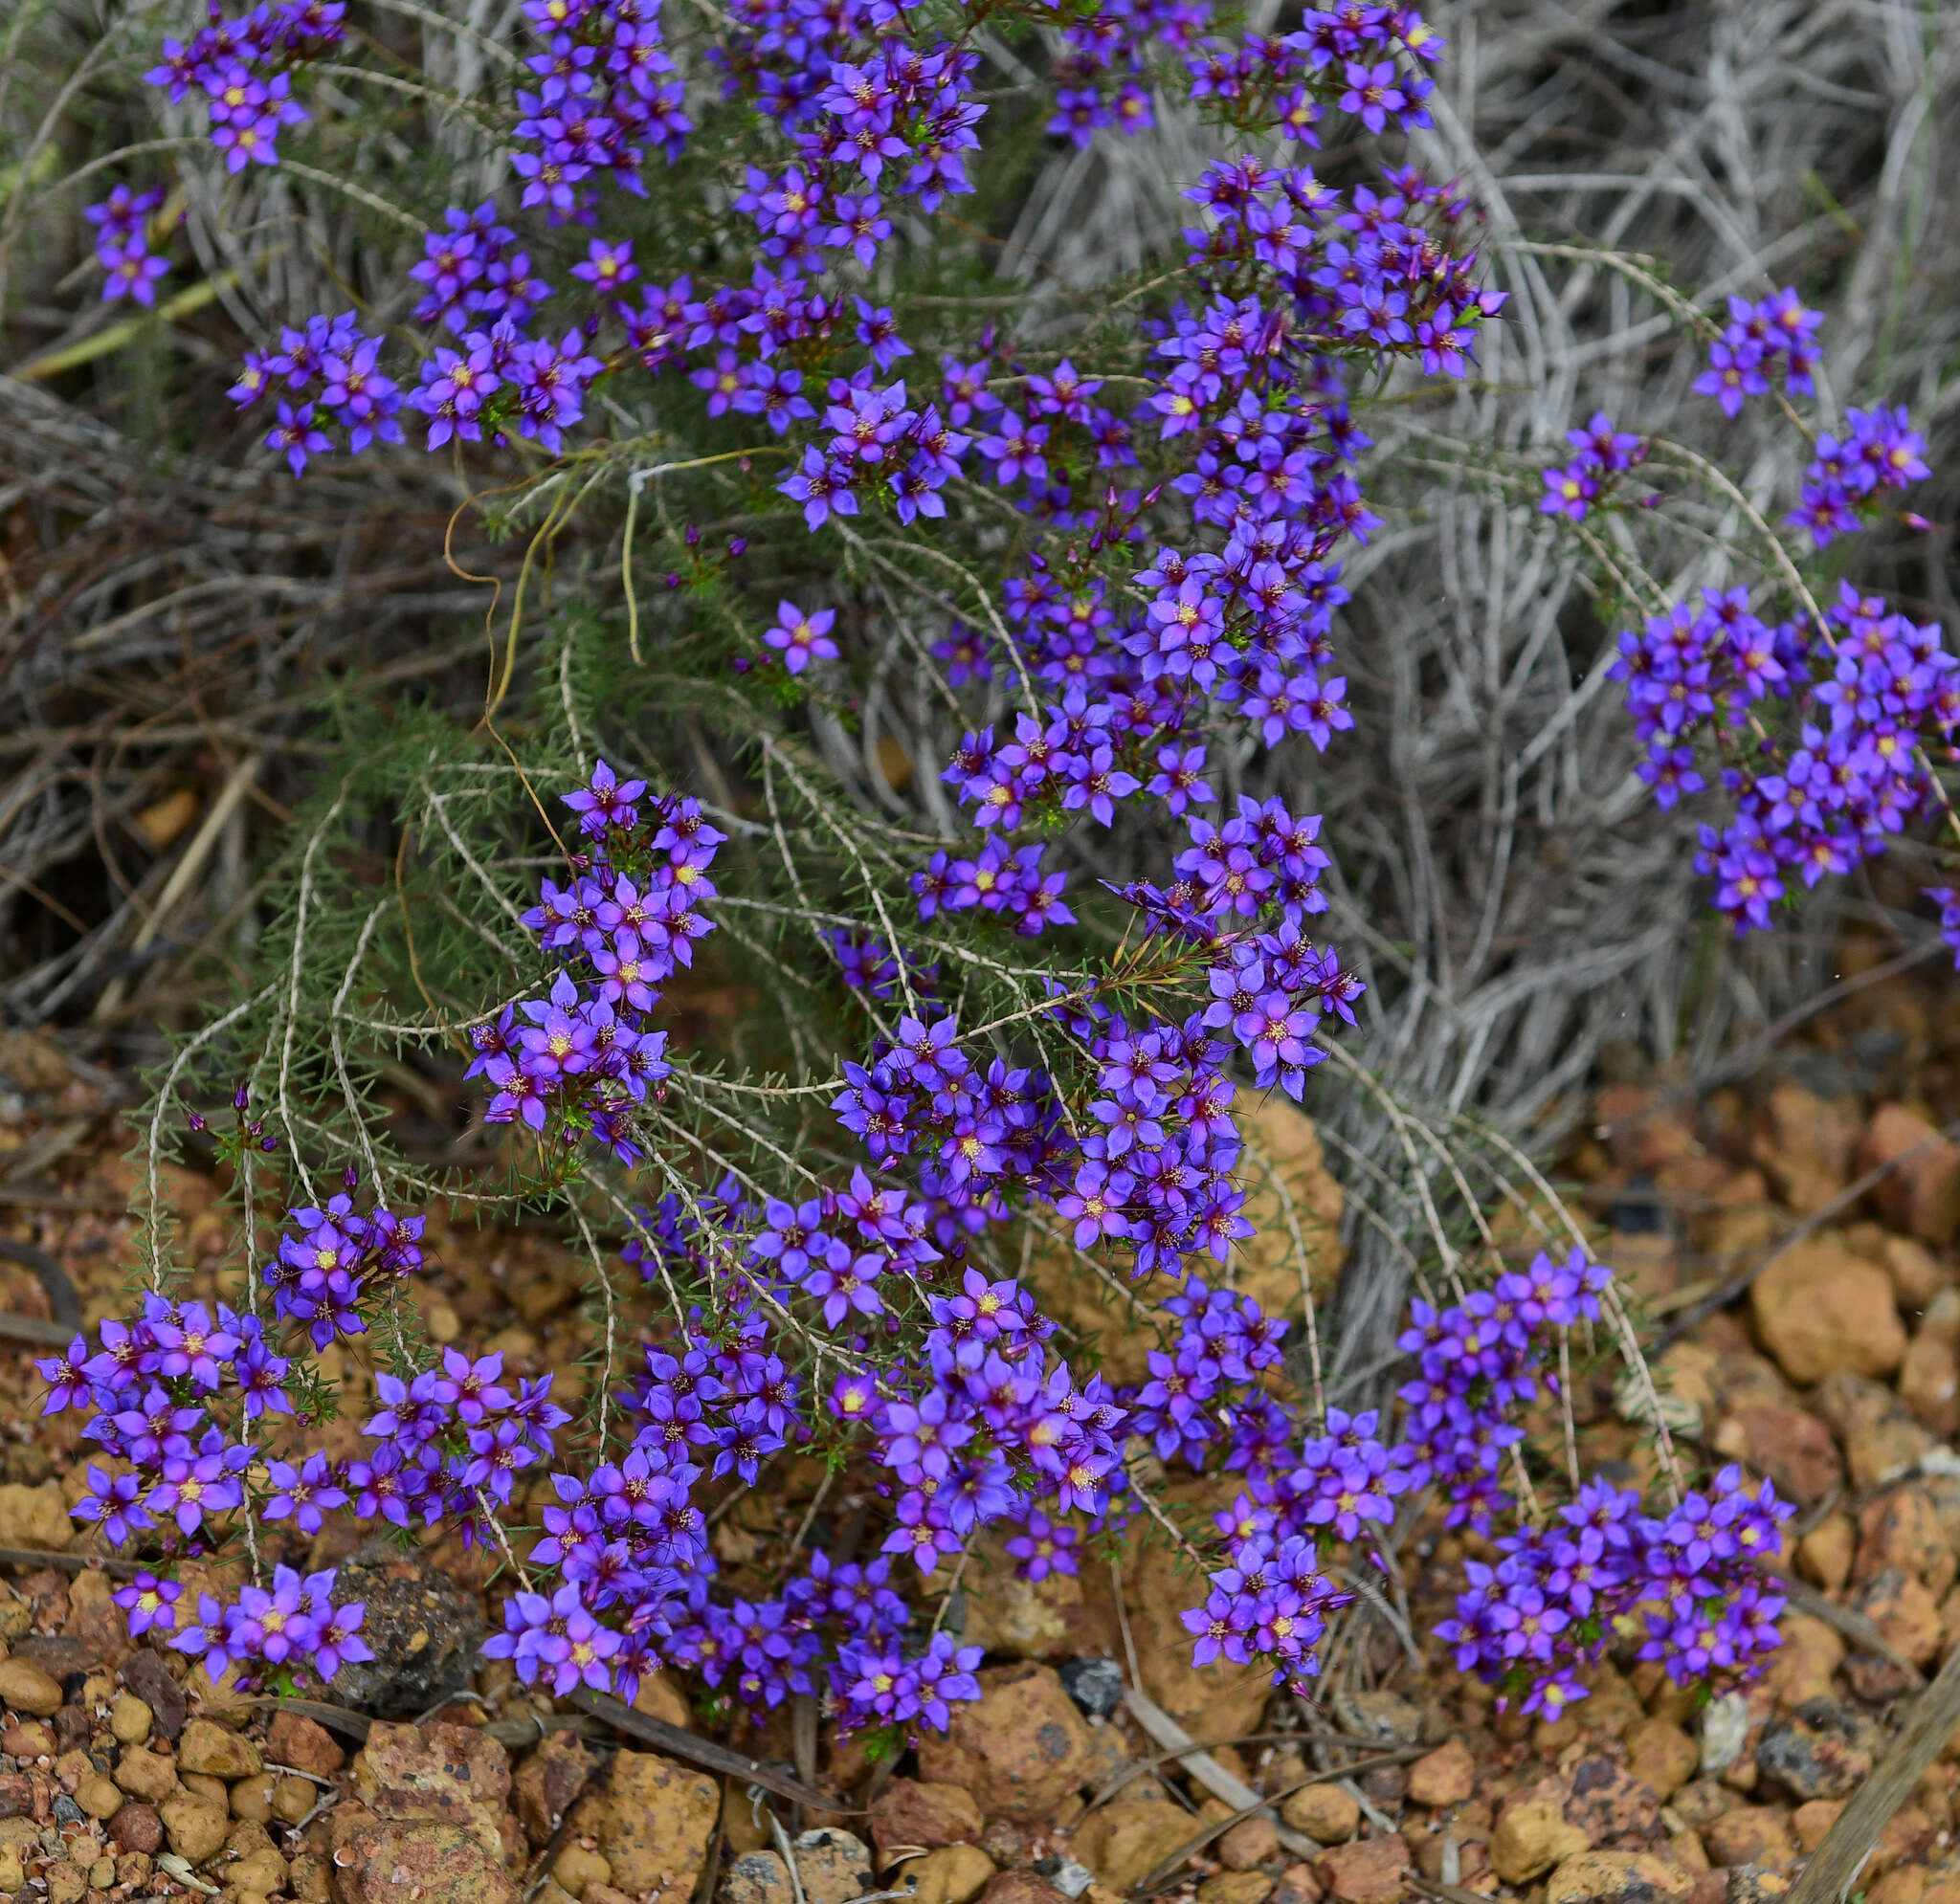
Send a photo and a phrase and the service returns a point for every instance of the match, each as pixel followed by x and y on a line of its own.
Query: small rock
pixel 1750 1834
pixel 1920 1194
pixel 1725 1727
pixel 1390 1718
pixel 1324 1812
pixel 136 1826
pixel 1805 1145
pixel 1619 1877
pixel 1810 1654
pixel 1446 1776
pixel 1878 1680
pixel 910 1811
pixel 1610 1805
pixel 1904 1529
pixel 1899 1606
pixel 97 1795
pixel 952 1875
pixel 834 1867
pixel 1826 1553
pixel 1929 1376
pixel 1786 1443
pixel 1660 1754
pixel 310 1878
pixel 1818 1308
pixel 578 1868
pixel 292 1799
pixel 29 1739
pixel 653 1819
pixel 756 1877
pixel 305 1745
pixel 1372 1872
pixel 1700 1801
pixel 195 1828
pixel 1911 1886
pixel 67 1883
pixel 419 1861
pixel 1825 1749
pixel 27 1689
pixel 129 1720
pixel 422 1629
pixel 1812 1822
pixel 548 1780
pixel 145 1675
pixel 1019 1887
pixel 1249 1843
pixel 35 1517
pixel 1019 1749
pixel 252 1798
pixel 1746 1885
pixel 1530 1838
pixel 208 1748
pixel 1125 1840
pixel 145 1773
pixel 1297 1885
pixel 1095 1685
pixel 94 1622
pixel 453 1774
pixel 1236 1886
pixel 1066 1876
pixel 1885 1452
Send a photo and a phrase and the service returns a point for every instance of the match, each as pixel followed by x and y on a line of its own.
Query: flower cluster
pixel 1480 1360
pixel 1551 1603
pixel 1006 880
pixel 1852 771
pixel 1840 706
pixel 475 274
pixel 1755 339
pixel 866 964
pixel 629 1550
pixel 241 69
pixel 503 380
pixel 1878 449
pixel 293 1623
pixel 621 927
pixel 122 222
pixel 1603 454
pixel 149 1387
pixel 340 1260
pixel 326 371
pixel 600 103
pixel 169 1394
pixel 452 1442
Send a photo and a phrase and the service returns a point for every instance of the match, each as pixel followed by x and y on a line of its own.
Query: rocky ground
pixel 1837 1372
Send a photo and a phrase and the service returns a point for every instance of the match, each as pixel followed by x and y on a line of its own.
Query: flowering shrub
pixel 1106 549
